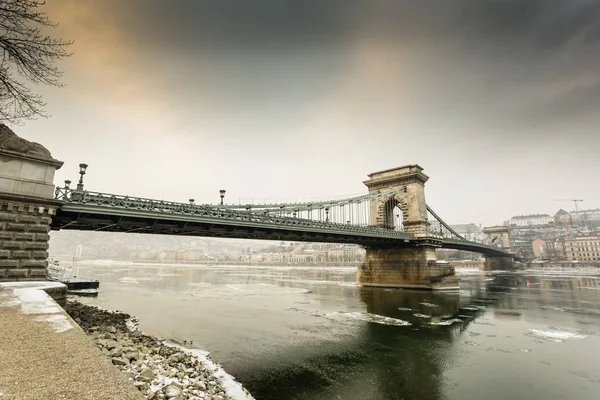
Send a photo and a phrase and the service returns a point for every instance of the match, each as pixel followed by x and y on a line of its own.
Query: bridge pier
pixel 26 207
pixel 499 264
pixel 406 267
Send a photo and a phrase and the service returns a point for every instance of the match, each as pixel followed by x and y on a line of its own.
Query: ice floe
pixel 422 315
pixel 554 335
pixel 446 322
pixel 366 317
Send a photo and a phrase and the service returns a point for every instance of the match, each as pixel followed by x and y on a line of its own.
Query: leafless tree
pixel 28 54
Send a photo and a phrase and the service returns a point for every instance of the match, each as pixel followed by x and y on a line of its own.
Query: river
pixel 311 333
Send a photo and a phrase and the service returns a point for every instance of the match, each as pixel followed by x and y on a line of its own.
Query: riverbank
pixel 158 369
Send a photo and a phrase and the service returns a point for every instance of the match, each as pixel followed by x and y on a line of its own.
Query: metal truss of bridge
pixel 343 220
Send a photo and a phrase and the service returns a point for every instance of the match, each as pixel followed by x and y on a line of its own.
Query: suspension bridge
pixel 392 220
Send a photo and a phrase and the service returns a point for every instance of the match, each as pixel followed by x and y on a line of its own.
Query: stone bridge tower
pixel 498 236
pixel 410 180
pixel 412 264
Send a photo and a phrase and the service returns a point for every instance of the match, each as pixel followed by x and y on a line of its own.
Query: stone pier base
pixel 499 264
pixel 410 268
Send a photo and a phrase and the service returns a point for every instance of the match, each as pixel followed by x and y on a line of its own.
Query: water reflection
pixel 298 333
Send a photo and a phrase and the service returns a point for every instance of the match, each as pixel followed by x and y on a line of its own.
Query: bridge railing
pixel 79 197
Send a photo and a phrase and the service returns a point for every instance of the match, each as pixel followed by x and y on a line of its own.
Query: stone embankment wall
pixel 26 206
pixel 24 228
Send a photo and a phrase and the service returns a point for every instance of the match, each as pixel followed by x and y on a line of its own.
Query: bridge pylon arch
pixel 409 180
pixel 498 236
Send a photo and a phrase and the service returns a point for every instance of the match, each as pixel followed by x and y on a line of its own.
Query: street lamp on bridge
pixel 82 168
pixel 222 194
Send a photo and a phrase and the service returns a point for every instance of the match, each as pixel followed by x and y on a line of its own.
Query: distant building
pixel 530 220
pixel 582 248
pixel 539 248
pixel 589 219
pixel 562 217
pixel 555 250
pixel 470 232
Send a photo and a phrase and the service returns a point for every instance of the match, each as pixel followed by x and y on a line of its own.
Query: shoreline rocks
pixel 158 370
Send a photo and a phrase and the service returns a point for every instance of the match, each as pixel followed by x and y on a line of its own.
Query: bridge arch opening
pixel 394 214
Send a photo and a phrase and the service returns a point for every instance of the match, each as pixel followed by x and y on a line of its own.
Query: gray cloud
pixel 304 98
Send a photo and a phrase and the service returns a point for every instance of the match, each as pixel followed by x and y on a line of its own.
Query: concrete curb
pixel 45 355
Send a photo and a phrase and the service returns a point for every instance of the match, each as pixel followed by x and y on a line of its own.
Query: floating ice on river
pixel 446 322
pixel 422 315
pixel 554 335
pixel 367 317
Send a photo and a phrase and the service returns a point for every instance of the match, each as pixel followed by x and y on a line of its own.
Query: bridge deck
pixel 93 211
pixel 243 225
pixel 220 223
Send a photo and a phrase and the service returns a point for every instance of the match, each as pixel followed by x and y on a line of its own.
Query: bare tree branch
pixel 27 54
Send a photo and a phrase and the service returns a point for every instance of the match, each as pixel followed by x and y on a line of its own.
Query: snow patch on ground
pixel 58 321
pixel 32 299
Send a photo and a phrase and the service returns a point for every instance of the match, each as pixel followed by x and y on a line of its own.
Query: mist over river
pixel 311 333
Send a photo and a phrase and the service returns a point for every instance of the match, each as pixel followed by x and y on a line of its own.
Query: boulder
pixel 120 361
pixel 173 391
pixel 146 375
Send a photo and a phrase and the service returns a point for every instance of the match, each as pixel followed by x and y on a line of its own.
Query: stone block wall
pixel 27 205
pixel 413 267
pixel 499 264
pixel 24 228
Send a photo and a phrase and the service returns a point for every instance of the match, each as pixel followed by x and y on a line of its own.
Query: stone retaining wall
pixel 24 227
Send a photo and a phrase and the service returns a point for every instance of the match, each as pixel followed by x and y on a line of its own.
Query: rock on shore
pixel 159 371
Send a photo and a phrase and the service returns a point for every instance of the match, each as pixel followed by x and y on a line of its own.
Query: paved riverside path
pixel 45 355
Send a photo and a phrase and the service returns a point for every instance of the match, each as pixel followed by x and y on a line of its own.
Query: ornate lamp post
pixel 222 194
pixel 82 168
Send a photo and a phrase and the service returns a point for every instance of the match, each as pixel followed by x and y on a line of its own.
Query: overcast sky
pixel 499 101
